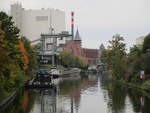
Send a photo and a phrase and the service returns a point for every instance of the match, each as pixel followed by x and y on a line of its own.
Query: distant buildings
pixel 91 56
pixel 34 22
pixel 75 46
pixel 48 25
pixel 139 41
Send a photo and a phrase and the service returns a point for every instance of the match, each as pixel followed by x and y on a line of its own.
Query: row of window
pixel 41 18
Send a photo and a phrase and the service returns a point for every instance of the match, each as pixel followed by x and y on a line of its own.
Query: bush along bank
pixel 132 68
pixel 16 59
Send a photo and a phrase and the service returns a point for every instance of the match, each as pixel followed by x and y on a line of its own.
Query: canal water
pixel 90 94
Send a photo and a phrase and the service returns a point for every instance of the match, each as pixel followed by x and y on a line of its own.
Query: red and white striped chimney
pixel 72 24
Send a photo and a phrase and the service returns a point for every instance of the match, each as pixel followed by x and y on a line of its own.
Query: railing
pixel 8 100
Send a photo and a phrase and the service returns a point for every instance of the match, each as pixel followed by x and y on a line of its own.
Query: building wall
pixel 16 13
pixel 92 55
pixel 139 41
pixel 74 47
pixel 34 22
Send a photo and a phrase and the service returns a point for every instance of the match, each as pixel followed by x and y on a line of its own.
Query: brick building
pixel 91 55
pixel 75 47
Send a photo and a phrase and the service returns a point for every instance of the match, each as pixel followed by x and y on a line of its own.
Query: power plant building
pixel 33 23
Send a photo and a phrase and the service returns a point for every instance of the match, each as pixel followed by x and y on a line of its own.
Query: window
pixel 41 18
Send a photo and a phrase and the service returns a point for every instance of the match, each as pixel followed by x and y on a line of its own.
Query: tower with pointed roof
pixel 77 39
pixel 101 48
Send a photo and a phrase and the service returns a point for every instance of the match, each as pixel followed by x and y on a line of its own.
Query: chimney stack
pixel 72 24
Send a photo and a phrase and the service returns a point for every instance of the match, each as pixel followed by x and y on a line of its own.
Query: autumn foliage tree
pixel 14 55
pixel 25 57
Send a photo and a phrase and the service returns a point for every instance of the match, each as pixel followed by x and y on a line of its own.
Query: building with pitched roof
pixel 75 47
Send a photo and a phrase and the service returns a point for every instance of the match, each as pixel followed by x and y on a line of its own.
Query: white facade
pixel 140 40
pixel 33 23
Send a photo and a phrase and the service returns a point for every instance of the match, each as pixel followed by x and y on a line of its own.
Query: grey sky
pixel 99 20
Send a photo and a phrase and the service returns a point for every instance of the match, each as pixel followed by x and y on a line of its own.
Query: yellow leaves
pixel 25 101
pixel 25 57
pixel 3 42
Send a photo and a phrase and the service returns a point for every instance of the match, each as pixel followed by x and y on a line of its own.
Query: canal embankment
pixel 4 103
pixel 9 97
pixel 143 88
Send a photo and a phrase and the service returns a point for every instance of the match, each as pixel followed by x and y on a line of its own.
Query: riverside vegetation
pixel 18 58
pixel 69 60
pixel 15 57
pixel 125 66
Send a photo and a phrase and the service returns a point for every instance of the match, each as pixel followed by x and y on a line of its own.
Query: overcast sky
pixel 99 20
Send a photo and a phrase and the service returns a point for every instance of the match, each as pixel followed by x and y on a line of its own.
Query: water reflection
pixel 23 103
pixel 121 99
pixel 48 101
pixel 92 94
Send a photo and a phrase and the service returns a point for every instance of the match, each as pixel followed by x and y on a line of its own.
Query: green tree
pixel 9 46
pixel 11 35
pixel 145 62
pixel 117 56
pixel 134 60
pixel 146 44
pixel 10 59
pixel 104 55
pixel 31 53
pixel 69 60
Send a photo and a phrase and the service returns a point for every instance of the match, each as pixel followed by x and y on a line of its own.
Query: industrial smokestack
pixel 72 24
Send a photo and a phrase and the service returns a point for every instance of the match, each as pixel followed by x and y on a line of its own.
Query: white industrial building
pixel 46 25
pixel 139 41
pixel 33 23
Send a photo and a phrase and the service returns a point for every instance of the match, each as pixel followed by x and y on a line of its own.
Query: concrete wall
pixel 16 13
pixel 34 22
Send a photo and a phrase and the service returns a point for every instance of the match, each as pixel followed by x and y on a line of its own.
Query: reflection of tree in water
pixel 140 103
pixel 114 94
pixel 23 103
pixel 104 80
pixel 117 95
pixel 73 89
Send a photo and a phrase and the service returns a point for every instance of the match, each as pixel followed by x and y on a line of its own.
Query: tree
pixel 10 59
pixel 117 56
pixel 9 46
pixel 146 44
pixel 104 56
pixel 30 53
pixel 134 60
pixel 69 60
pixel 25 57
pixel 145 57
pixel 145 62
pixel 11 35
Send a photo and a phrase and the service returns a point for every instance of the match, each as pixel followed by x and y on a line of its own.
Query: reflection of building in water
pixel 72 90
pixel 48 101
pixel 76 99
pixel 67 101
pixel 76 93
